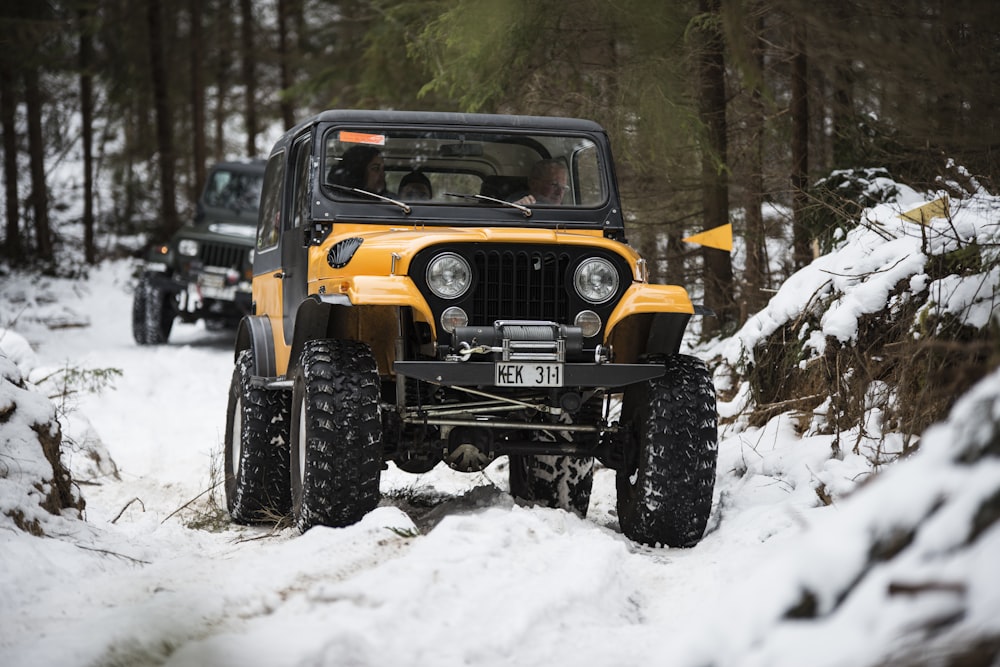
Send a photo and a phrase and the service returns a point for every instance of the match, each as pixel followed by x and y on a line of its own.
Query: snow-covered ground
pixel 902 569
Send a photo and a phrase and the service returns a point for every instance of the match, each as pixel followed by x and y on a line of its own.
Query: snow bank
pixel 34 484
pixel 907 560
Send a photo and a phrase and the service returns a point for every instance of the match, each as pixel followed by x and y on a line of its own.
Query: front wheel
pixel 336 457
pixel 152 313
pixel 256 450
pixel 665 486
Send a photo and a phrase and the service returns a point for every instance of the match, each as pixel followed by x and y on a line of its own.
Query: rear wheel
pixel 665 487
pixel 256 451
pixel 336 457
pixel 559 481
pixel 152 313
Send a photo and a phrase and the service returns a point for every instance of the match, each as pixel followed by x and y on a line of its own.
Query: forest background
pixel 769 115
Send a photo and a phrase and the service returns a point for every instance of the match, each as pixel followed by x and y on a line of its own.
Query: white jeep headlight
pixel 452 317
pixel 589 323
pixel 449 276
pixel 188 247
pixel 596 280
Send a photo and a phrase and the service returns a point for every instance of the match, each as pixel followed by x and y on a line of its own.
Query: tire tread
pixel 674 420
pixel 338 381
pixel 258 490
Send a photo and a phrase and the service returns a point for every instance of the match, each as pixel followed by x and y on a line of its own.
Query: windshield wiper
pixel 523 209
pixel 373 195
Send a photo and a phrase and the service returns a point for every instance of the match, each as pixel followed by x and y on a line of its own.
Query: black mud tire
pixel 152 313
pixel 336 454
pixel 558 481
pixel 256 449
pixel 665 487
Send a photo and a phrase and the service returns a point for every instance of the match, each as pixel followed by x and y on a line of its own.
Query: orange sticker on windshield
pixel 362 138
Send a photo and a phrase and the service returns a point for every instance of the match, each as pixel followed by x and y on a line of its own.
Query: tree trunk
pixel 224 35
pixel 87 131
pixel 800 148
pixel 714 167
pixel 36 151
pixel 8 105
pixel 756 273
pixel 845 155
pixel 198 146
pixel 170 222
pixel 285 9
pixel 249 67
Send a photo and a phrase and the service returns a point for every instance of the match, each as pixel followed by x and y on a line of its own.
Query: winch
pixel 518 340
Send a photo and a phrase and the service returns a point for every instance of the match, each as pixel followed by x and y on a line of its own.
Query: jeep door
pixel 267 256
pixel 294 243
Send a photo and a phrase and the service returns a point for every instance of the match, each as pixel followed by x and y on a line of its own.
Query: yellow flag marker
pixel 717 237
pixel 923 214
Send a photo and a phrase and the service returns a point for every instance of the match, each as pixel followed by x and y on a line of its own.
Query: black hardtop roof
pixel 441 118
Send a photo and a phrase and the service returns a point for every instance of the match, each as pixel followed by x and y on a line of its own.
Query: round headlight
pixel 449 275
pixel 589 323
pixel 187 247
pixel 453 317
pixel 596 280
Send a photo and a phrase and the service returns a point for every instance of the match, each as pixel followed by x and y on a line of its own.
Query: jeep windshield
pixel 510 170
pixel 234 190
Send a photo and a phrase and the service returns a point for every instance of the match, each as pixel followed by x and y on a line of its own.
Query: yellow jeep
pixel 438 288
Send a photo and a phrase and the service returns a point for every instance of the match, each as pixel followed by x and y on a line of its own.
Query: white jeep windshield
pixel 442 167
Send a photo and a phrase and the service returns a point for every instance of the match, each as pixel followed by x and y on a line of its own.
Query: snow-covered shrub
pixel 837 201
pixel 34 484
pixel 910 308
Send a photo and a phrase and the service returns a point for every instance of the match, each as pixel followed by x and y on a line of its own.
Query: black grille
pixel 520 284
pixel 220 254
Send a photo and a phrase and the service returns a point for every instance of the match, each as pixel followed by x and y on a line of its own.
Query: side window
pixel 302 187
pixel 269 222
pixel 590 186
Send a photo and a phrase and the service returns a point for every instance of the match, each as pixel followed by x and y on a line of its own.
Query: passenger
pixel 361 167
pixel 547 184
pixel 415 186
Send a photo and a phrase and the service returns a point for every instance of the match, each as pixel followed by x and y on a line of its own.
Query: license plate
pixel 213 286
pixel 528 375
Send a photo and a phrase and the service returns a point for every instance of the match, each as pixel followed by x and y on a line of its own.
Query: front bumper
pixel 202 292
pixel 525 354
